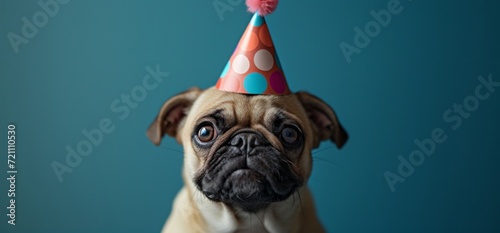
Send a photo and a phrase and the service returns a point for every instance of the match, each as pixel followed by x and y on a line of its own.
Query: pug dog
pixel 247 160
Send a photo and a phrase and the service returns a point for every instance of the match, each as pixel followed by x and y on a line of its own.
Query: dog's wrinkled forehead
pixel 233 109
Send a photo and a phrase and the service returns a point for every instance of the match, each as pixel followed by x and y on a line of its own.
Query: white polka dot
pixel 241 64
pixel 263 60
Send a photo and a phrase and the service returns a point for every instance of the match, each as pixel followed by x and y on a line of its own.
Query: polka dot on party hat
pixel 254 67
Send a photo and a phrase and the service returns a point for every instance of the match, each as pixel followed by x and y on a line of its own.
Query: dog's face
pixel 246 151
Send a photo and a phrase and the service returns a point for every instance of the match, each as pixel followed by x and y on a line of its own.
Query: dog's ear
pixel 172 114
pixel 324 120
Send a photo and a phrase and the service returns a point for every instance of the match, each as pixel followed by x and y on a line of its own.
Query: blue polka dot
pixel 255 83
pixel 257 20
pixel 224 72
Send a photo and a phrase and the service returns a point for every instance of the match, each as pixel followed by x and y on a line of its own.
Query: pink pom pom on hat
pixel 264 7
pixel 254 67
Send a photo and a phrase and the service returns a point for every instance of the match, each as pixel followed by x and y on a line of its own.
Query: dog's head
pixel 246 151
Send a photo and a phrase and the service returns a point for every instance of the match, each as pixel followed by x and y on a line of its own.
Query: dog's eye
pixel 289 135
pixel 206 133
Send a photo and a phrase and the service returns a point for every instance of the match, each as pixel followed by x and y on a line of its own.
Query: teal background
pixel 393 92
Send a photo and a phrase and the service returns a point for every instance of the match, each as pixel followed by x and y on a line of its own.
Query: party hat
pixel 254 67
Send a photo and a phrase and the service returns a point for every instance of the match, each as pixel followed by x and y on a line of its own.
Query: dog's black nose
pixel 246 142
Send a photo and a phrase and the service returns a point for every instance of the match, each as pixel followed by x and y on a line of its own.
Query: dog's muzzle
pixel 248 172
